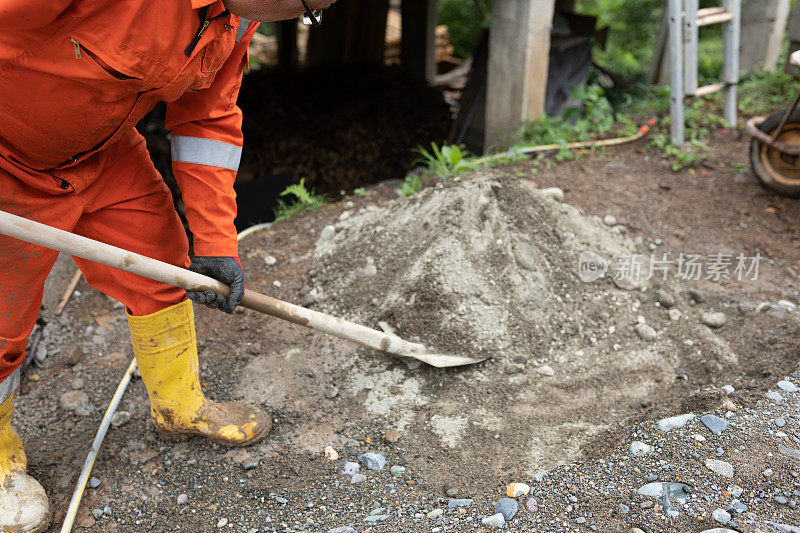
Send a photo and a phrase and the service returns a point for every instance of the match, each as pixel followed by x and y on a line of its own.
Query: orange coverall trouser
pixel 128 206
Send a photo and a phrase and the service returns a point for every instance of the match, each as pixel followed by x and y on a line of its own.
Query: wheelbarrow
pixel 775 146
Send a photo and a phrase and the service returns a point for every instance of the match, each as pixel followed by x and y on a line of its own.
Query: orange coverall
pixel 75 77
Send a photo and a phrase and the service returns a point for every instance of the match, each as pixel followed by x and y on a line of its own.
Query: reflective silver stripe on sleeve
pixel 242 29
pixel 205 152
pixel 9 385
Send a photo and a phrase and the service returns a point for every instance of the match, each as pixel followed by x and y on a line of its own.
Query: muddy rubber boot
pixel 24 507
pixel 165 347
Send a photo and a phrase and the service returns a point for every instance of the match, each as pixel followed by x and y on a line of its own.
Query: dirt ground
pixel 465 432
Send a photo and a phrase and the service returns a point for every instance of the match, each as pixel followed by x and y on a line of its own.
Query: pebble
pixel 768 472
pixel 496 520
pixel 610 220
pixel 780 422
pixel 436 513
pixel 774 395
pixel 77 383
pixel 722 468
pixel 638 448
pixel 665 298
pixel 715 424
pixel 515 490
pixel 674 422
pixel 537 477
pixel 729 389
pixel 342 529
pixel 461 502
pixel 327 233
pixel 697 296
pixel 397 470
pixel 373 460
pixel 532 504
pixel 645 332
pixel 107 510
pixel 580 520
pixel 251 465
pixel 513 368
pixel 783 500
pixel 546 370
pixel 391 436
pixel 507 507
pixel 270 260
pixel 358 478
pixel 76 401
pixel 714 320
pixel 647 504
pixel 674 315
pixel 120 418
pixel 350 469
pixel 97 513
pixel 331 392
pixel 222 522
pixel 553 192
pixel 331 454
pixel 721 516
pixel 735 490
pixel 94 482
pixel 787 386
pixel 372 519
pixel 183 499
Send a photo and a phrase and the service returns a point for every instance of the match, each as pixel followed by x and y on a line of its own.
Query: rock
pixel 76 384
pixel 638 448
pixel 775 396
pixel 645 332
pixel 358 478
pixel 674 422
pixel 780 422
pixel 767 473
pixel 580 520
pixel 624 509
pixel 77 402
pixel 610 220
pixel 331 454
pixel 94 482
pixel 715 424
pixel 97 513
pixel 729 389
pixel 545 370
pixel 532 504
pixel 665 298
pixel 375 518
pixel 513 368
pixel 525 255
pixel 647 504
pixel 507 507
pixel 120 418
pixel 537 477
pixel 787 386
pixel 553 192
pixel 331 392
pixel 721 516
pixel 462 502
pixel 515 490
pixel 722 468
pixel 789 452
pixel 397 470
pixel 496 520
pixel 251 465
pixel 350 469
pixel 451 491
pixel 107 510
pixel 327 233
pixel 342 529
pixel 75 356
pixel 222 522
pixel 373 460
pixel 783 500
pixel 391 436
pixel 735 490
pixel 697 296
pixel 714 320
pixel 183 499
pixel 674 315
pixel 270 260
pixel 436 513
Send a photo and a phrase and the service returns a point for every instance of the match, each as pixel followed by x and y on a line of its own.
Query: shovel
pixel 69 243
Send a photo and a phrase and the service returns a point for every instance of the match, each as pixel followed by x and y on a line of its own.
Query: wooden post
pixel 519 49
pixel 763 25
pixel 418 44
pixel 675 11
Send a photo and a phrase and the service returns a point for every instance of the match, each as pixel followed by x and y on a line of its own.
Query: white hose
pixel 75 502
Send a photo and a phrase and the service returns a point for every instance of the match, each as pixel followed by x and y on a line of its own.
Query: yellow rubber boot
pixel 165 347
pixel 23 503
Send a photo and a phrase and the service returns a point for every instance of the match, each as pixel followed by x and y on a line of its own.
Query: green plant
pixel 411 184
pixel 360 191
pixel 305 200
pixel 741 168
pixel 688 155
pixel 445 161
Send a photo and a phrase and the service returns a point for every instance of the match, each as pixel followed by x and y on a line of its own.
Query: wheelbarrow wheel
pixel 776 170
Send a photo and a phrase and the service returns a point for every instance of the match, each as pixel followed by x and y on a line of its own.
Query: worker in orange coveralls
pixel 75 77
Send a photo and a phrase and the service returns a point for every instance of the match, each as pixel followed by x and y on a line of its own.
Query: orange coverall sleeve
pixel 206 139
pixel 29 14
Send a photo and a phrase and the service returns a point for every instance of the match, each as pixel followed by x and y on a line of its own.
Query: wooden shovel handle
pixel 69 243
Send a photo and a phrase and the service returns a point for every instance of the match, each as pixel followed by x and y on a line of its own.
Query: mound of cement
pixel 487 265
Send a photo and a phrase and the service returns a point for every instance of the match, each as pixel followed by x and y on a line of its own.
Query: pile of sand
pixel 487 266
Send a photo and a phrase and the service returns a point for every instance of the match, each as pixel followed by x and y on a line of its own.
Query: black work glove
pixel 224 269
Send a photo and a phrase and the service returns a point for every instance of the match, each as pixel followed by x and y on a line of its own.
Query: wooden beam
pixel 418 42
pixel 519 50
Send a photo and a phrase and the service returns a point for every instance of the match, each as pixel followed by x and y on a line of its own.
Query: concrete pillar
pixel 763 25
pixel 793 36
pixel 418 45
pixel 519 49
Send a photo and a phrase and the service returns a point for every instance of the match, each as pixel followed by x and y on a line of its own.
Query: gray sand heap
pixel 486 266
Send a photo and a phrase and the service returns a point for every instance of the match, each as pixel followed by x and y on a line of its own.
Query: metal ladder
pixel 685 20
